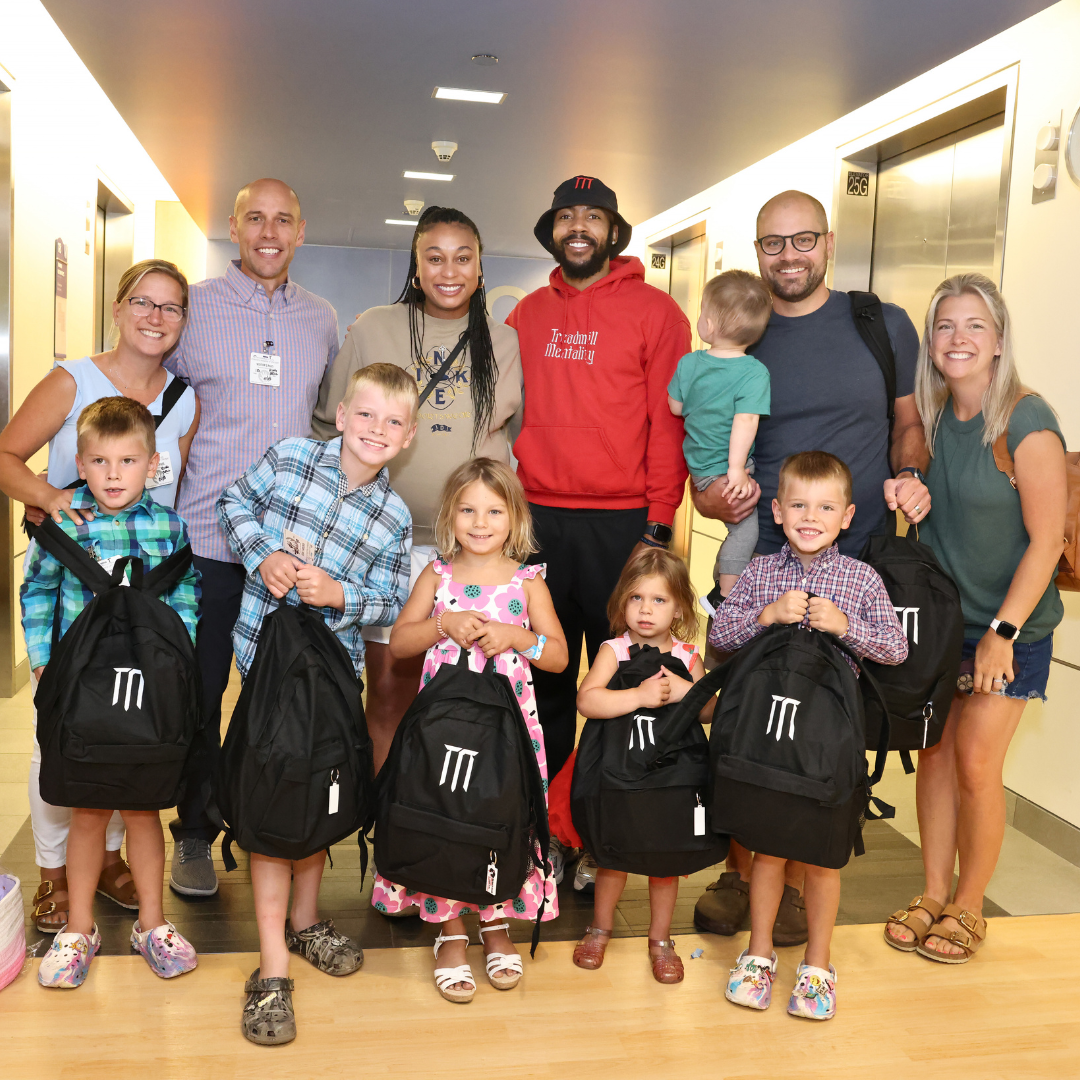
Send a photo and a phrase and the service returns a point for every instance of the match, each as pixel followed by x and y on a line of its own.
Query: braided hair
pixel 485 371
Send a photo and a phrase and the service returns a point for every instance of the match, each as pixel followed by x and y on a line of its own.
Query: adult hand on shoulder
pixel 908 495
pixel 825 615
pixel 278 572
pixel 713 502
pixel 56 507
pixel 993 663
pixel 318 589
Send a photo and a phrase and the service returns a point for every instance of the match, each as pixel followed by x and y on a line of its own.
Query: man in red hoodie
pixel 599 453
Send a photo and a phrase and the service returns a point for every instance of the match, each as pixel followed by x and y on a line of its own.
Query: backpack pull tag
pixel 492 874
pixel 927 716
pixel 699 818
pixel 335 791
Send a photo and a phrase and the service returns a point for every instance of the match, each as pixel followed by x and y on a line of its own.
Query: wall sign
pixel 659 262
pixel 60 301
pixel 858 183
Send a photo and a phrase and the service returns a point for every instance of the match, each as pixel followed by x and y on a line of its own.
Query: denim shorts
pixel 1031 667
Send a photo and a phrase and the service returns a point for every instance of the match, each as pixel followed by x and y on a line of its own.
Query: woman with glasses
pixel 148 315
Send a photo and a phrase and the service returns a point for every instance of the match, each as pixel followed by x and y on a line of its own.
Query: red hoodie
pixel 597 431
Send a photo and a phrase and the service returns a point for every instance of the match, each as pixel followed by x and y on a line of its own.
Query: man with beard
pixel 828 393
pixel 599 454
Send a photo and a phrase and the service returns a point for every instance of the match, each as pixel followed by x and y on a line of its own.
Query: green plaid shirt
pixel 146 529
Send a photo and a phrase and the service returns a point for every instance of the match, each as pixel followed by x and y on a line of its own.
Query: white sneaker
pixel 585 875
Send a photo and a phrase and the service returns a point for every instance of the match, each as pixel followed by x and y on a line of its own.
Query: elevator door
pixel 938 214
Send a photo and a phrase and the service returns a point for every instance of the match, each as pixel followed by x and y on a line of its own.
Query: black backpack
pixel 295 773
pixel 119 701
pixel 637 796
pixel 919 691
pixel 787 750
pixel 461 810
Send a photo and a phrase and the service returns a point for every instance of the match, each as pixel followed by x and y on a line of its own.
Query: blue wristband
pixel 536 650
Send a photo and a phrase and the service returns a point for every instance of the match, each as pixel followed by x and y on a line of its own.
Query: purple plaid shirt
pixel 229 318
pixel 856 589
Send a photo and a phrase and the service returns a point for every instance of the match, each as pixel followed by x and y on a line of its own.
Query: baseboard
pixel 1054 833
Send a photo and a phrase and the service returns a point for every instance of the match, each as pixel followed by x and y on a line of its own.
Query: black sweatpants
pixel 585 551
pixel 222 591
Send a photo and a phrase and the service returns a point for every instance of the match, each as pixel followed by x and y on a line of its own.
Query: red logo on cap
pixel 583 181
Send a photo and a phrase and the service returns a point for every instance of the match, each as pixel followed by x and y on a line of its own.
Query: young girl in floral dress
pixel 480 594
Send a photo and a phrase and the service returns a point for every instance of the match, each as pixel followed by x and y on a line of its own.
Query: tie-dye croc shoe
pixel 814 995
pixel 65 965
pixel 750 981
pixel 165 949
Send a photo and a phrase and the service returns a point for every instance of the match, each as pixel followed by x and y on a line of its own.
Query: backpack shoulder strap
pixel 166 574
pixel 173 393
pixel 1002 458
pixel 869 318
pixel 67 552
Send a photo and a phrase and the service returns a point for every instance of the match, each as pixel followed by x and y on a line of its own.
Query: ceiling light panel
pixel 449 93
pixel 401 221
pixel 410 175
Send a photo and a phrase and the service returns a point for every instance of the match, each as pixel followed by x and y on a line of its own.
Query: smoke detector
pixel 444 151
pixel 414 206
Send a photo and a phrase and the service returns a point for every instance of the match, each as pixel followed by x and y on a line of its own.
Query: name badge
pixel 302 549
pixel 164 474
pixel 265 369
pixel 108 565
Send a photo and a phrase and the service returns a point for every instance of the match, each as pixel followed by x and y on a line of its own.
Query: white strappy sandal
pixel 498 961
pixel 446 977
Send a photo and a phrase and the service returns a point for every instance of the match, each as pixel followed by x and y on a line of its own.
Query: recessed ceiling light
pixel 485 59
pixel 401 221
pixel 410 175
pixel 449 93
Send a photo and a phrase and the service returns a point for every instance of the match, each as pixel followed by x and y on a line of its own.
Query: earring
pixel 480 283
pixel 416 282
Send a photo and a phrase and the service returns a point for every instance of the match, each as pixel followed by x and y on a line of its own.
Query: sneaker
pixel 165 949
pixel 321 944
pixel 65 965
pixel 814 995
pixel 585 875
pixel 193 871
pixel 750 981
pixel 557 857
pixel 268 1018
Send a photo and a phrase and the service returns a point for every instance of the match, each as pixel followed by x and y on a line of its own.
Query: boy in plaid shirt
pixel 317 523
pixel 116 455
pixel 809 582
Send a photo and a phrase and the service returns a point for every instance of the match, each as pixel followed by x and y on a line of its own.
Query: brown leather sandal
pixel 118 884
pixel 968 936
pixel 49 917
pixel 589 951
pixel 920 926
pixel 666 965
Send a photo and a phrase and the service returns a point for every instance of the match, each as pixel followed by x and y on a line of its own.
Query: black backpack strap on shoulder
pixel 696 699
pixel 444 367
pixel 173 393
pixel 869 317
pixel 168 573
pixel 67 552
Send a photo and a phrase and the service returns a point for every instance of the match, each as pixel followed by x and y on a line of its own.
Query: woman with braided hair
pixel 438 330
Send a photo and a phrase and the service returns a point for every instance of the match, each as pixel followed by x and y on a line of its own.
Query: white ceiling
pixel 659 99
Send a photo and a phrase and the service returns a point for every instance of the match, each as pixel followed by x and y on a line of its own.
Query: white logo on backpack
pixel 641 733
pixel 902 614
pixel 131 674
pixel 784 703
pixel 461 753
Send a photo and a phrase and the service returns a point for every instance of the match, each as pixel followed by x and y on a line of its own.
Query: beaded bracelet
pixel 438 625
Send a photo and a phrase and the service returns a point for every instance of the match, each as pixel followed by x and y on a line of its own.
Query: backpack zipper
pixel 928 714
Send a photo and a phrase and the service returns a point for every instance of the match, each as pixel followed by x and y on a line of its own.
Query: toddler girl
pixel 653 604
pixel 480 595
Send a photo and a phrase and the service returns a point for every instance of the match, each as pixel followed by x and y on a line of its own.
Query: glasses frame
pixel 132 300
pixel 791 236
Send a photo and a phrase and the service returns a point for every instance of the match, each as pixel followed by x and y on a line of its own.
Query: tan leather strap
pixel 1002 458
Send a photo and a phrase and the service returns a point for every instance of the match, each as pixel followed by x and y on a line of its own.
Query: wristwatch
pixel 659 534
pixel 914 470
pixel 1005 629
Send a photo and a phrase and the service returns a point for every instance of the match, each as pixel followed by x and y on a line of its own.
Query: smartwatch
pixel 661 534
pixel 1005 629
pixel 916 472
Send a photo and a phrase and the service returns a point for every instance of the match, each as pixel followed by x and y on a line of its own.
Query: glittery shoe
pixel 165 949
pixel 750 981
pixel 814 995
pixel 65 965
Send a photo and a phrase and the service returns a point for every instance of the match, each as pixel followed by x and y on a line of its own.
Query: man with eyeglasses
pixel 255 348
pixel 828 393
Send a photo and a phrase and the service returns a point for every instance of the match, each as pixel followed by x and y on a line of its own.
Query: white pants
pixel 51 823
pixel 419 557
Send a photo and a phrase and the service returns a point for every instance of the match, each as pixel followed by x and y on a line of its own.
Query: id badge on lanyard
pixel 265 367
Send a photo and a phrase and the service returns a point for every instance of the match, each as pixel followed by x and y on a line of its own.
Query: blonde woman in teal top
pixel 1001 545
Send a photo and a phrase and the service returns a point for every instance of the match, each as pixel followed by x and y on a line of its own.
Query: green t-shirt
pixel 975 526
pixel 712 390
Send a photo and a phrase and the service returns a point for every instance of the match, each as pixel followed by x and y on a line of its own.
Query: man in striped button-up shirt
pixel 255 348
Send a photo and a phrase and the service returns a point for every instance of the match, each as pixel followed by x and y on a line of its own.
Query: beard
pixel 574 268
pixel 794 291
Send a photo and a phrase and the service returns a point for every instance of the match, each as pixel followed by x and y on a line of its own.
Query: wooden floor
pixel 1010 1013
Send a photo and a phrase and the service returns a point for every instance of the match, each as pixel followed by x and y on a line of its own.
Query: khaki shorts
pixel 419 557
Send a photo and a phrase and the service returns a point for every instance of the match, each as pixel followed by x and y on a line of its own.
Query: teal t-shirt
pixel 712 390
pixel 975 525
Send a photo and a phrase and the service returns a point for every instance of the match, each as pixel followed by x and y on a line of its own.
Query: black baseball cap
pixel 583 191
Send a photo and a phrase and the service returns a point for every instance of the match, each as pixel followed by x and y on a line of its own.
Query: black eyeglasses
pixel 800 241
pixel 169 312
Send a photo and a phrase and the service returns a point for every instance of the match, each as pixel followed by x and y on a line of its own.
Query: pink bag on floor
pixel 12 929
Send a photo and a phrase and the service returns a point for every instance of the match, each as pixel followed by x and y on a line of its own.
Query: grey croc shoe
pixel 268 1017
pixel 321 944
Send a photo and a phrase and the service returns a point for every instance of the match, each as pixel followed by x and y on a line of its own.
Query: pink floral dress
pixel 506 604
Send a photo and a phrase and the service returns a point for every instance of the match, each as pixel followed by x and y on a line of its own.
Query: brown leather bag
pixel 1068 575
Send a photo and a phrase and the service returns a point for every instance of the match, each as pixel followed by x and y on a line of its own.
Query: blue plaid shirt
pixel 361 537
pixel 147 529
